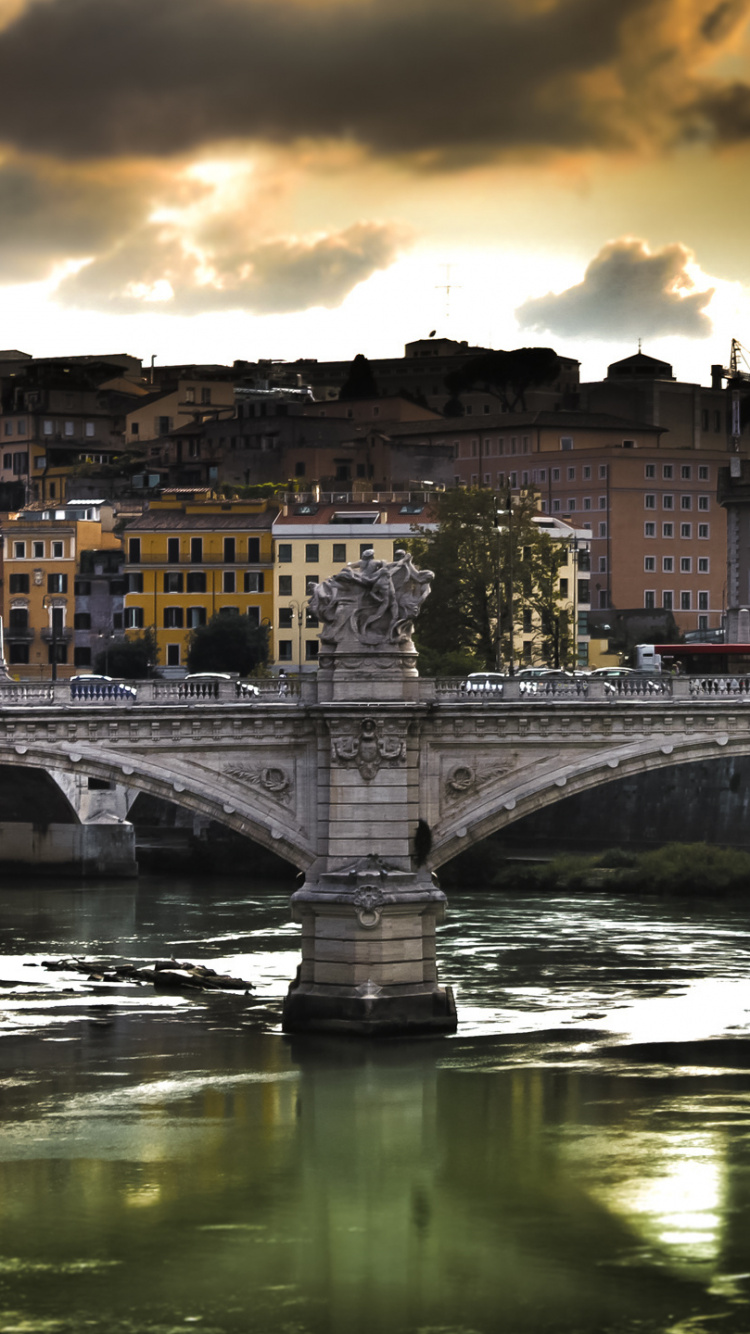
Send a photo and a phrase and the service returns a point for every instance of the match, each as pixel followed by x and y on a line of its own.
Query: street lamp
pixel 501 514
pixel 50 606
pixel 298 611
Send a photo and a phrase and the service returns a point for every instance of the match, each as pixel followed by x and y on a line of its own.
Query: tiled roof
pixel 164 521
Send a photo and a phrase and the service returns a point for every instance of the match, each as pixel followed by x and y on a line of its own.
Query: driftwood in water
pixel 167 974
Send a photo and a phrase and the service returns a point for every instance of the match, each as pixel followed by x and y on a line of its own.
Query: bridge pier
pixel 368 909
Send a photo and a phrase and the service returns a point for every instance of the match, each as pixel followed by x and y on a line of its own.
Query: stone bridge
pixel 368 780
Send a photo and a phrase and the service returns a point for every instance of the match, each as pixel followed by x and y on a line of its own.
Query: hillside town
pixel 141 499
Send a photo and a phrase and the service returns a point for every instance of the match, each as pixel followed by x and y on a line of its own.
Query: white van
pixel 647 659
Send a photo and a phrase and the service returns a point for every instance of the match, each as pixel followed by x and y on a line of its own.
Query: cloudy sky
pixel 211 179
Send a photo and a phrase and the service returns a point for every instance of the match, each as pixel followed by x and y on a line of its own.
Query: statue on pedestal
pixel 371 604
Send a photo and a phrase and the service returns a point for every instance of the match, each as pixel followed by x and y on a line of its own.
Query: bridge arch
pixel 504 802
pixel 230 804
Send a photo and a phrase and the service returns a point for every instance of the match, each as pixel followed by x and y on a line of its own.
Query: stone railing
pixel 124 694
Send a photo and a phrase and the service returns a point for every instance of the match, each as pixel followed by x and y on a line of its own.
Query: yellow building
pixel 42 551
pixel 190 557
pixel 315 539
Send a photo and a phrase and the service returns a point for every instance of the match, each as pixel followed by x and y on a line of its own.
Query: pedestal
pixel 368 955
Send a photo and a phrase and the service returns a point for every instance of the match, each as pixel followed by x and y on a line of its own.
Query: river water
pixel 576 1159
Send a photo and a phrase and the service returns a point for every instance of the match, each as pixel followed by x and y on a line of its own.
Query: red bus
pixel 705 659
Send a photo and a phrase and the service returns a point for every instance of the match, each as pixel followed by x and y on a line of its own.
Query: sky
pixel 206 180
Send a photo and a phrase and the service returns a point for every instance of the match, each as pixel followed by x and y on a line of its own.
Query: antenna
pixel 447 287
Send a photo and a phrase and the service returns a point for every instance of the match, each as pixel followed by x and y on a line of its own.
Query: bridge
pixel 367 780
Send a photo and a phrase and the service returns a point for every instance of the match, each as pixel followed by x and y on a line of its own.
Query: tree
pixel 360 382
pixel 228 643
pixel 509 374
pixel 488 556
pixel 130 658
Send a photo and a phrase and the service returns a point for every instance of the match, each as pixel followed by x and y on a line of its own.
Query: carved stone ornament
pixel 273 780
pixel 369 902
pixel 369 750
pixel 371 603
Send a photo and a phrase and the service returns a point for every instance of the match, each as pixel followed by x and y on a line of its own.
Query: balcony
pixel 62 636
pixel 19 634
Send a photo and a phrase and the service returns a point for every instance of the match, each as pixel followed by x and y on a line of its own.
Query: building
pixel 189 557
pixel 176 405
pixel 44 551
pixel 315 538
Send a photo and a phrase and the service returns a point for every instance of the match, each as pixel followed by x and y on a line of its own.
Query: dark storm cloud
pixel 447 80
pixel 273 277
pixel 627 292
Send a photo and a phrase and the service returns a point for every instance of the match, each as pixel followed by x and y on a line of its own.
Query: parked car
pixel 100 687
pixel 484 681
pixel 206 685
pixel 612 673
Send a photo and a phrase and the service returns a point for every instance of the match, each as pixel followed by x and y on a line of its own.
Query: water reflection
pixel 177 1163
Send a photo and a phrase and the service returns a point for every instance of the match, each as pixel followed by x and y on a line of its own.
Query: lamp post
pixel 501 514
pixel 298 611
pixel 573 548
pixel 53 626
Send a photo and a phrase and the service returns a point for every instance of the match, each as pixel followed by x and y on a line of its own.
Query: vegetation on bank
pixel 677 869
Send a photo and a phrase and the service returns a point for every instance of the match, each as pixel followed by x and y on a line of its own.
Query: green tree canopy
pixel 360 382
pixel 509 374
pixel 486 555
pixel 130 658
pixel 228 643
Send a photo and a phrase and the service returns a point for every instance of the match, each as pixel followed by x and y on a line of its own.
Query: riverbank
pixel 675 870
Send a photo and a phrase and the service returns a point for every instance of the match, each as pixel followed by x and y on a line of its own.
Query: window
pixel 173 655
pixel 602 502
pixel 228 585
pixel 284 551
pixel 285 585
pixel 19 550
pixel 205 395
pixel 82 620
pixel 686 530
pixel 603 599
pixel 299 469
pixel 70 428
pixel 667 472
pixel 253 550
pixel 48 428
pixel 285 650
pixel 703 502
pixel 586 473
pixel 135 583
pixel 89 429
pixel 686 502
pixel 686 472
pixel 667 530
pixel 195 581
pixel 18 618
pixel 172 582
pixel 253 581
pixel 667 564
pixel 649 530
pixel 339 552
pixel 18 653
pixel 311 649
pixel 555 474
pixel 37 550
pixel 649 563
pixel 555 506
pixel 667 600
pixel 717 421
pixel 229 611
pixel 602 564
pixel 134 550
pixel 173 618
pixel 703 530
pixel 649 599
pixel 684 602
pixel 571 503
pixel 703 601
pixel 703 565
pixel 312 553
pixel 703 473
pixel 190 394
pixel 173 550
pixel 602 470
pixel 566 442
pixel 7 460
pixel 686 565
pixel 8 428
pixel 82 588
pixel 587 502
pixel 571 474
pixel 310 583
pixel 704 420
pixel 196 550
pixel 563 588
pixel 40 461
pixel 650 470
pixel 667 502
pixel 602 530
pixel 229 550
pixel 82 658
pixel 253 616
pixel 195 616
pixel 163 425
pixel 57 583
pixel 19 583
pixel 584 591
pixel 649 501
pixel 286 618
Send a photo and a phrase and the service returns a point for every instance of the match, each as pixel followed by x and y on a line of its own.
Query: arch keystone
pixel 20 750
pixel 722 740
pixel 667 750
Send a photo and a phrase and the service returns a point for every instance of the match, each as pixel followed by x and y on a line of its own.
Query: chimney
pixel 717 377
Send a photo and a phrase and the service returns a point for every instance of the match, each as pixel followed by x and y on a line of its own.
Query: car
pixel 100 687
pixel 612 673
pixel 484 681
pixel 205 685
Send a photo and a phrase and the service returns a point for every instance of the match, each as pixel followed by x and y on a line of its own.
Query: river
pixel 575 1159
